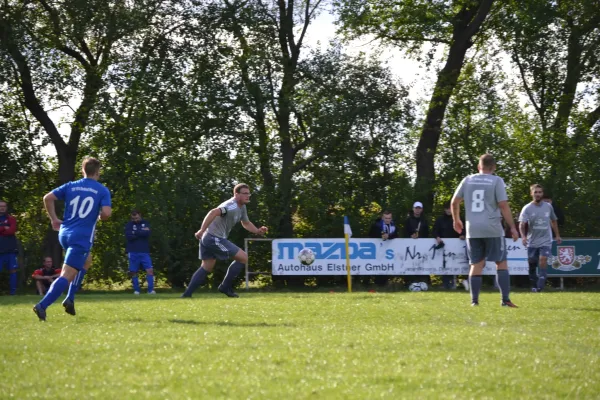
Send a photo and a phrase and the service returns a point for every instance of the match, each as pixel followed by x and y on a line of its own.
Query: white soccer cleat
pixel 152 292
pixel 465 283
pixel 136 293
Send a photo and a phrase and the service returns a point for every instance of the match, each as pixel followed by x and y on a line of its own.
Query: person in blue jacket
pixel 137 232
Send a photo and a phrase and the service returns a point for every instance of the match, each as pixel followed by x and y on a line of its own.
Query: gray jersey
pixel 482 193
pixel 538 217
pixel 231 214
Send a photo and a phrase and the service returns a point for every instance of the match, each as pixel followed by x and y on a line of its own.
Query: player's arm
pixel 105 212
pixel 210 217
pixel 49 200
pixel 523 230
pixel 557 237
pixel 145 231
pixel 250 227
pixel 455 209
pixel 129 232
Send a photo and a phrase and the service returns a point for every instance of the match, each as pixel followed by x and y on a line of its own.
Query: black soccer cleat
pixel 227 292
pixel 509 304
pixel 474 304
pixel 40 312
pixel 69 307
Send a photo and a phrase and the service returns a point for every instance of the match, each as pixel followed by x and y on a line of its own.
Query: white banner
pixel 389 257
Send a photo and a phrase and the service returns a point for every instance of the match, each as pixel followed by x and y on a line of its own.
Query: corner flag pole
pixel 347 236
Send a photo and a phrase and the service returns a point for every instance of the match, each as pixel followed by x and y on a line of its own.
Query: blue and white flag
pixel 347 229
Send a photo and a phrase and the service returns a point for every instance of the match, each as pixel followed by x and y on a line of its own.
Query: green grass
pixel 303 345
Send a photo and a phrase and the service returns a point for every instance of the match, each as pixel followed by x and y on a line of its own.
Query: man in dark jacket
pixel 8 245
pixel 416 227
pixel 383 228
pixel 443 229
pixel 137 232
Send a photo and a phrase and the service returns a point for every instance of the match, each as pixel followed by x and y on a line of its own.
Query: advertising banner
pixel 576 257
pixel 379 257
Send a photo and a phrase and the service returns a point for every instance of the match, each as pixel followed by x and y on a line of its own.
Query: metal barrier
pixel 247 272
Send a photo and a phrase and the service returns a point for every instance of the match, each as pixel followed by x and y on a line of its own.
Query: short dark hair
pixel 535 186
pixel 487 161
pixel 446 204
pixel 238 188
pixel 135 212
pixel 90 165
pixel 386 212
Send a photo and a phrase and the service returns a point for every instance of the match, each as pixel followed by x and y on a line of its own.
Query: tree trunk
pixel 466 25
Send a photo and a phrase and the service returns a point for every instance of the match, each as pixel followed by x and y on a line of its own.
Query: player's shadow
pixel 231 323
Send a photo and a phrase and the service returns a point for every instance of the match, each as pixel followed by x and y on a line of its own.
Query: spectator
pixel 137 232
pixel 416 227
pixel 443 228
pixel 8 245
pixel 383 228
pixel 45 276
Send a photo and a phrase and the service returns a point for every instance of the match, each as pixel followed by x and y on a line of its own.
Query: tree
pixel 410 24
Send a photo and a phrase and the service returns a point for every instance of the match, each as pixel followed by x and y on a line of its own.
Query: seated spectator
pixel 45 276
pixel 383 228
pixel 444 229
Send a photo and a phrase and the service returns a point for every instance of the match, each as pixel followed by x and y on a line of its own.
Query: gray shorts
pixel 534 253
pixel 212 247
pixel 490 249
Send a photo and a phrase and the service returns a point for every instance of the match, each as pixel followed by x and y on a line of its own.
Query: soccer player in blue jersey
pixel 137 233
pixel 86 201
pixel 486 202
pixel 214 244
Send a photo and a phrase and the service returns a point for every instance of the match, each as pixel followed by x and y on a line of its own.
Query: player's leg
pixel 75 258
pixel 146 263
pixel 543 269
pixel 497 252
pixel 240 259
pixel 476 254
pixel 532 260
pixel 11 261
pixel 134 267
pixel 200 276
pixel 75 286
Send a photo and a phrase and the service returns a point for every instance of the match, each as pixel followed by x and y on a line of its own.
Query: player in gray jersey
pixel 214 244
pixel 486 203
pixel 535 222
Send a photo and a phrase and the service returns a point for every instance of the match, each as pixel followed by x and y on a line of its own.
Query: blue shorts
pixel 8 259
pixel 137 260
pixel 212 247
pixel 77 250
pixel 534 253
pixel 489 249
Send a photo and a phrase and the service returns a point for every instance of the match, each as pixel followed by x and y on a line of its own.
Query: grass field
pixel 303 345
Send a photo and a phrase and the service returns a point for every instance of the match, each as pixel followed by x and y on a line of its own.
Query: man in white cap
pixel 416 227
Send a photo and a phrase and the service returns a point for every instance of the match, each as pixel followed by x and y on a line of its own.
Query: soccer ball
pixel 424 286
pixel 415 287
pixel 306 256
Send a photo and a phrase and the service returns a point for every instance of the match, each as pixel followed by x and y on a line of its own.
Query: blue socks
pixel 541 283
pixel 503 279
pixel 475 287
pixel 150 279
pixel 56 289
pixel 198 279
pixel 232 272
pixel 136 283
pixel 76 285
pixel 13 283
